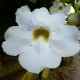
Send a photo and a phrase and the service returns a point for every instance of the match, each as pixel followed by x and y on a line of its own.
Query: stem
pixel 45 73
pixel 27 76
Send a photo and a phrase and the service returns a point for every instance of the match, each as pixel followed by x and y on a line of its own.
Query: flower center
pixel 41 33
pixel 60 8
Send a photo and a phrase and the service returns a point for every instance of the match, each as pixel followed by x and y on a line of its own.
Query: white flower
pixel 59 7
pixel 41 39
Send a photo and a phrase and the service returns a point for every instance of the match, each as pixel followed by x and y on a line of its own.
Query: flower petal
pixel 65 41
pixel 30 60
pixel 49 58
pixel 65 32
pixel 70 32
pixel 17 32
pixel 67 9
pixel 55 7
pixel 24 18
pixel 42 17
pixel 38 57
pixel 23 9
pixel 15 46
pixel 53 10
pixel 57 19
pixel 65 48
pixel 56 4
pixel 36 18
pixel 41 14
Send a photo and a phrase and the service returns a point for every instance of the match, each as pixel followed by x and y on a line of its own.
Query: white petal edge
pixel 67 9
pixel 15 47
pixel 17 32
pixel 49 58
pixel 42 16
pixel 53 10
pixel 30 20
pixel 57 19
pixel 65 32
pixel 65 48
pixel 30 61
pixel 56 4
pixel 24 18
pixel 23 9
pixel 65 41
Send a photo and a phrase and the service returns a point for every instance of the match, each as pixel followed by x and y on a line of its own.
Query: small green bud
pixel 74 19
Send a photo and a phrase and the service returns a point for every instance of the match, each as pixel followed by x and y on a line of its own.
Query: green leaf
pixel 76 7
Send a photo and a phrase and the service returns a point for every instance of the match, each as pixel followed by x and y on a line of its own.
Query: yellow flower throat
pixel 60 8
pixel 41 33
